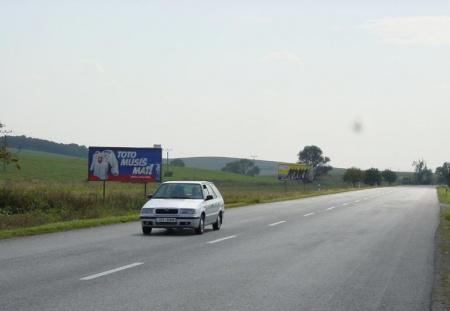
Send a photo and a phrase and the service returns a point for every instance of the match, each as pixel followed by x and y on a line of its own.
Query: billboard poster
pixel 125 164
pixel 300 172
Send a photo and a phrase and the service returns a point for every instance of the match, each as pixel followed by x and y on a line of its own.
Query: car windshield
pixel 179 191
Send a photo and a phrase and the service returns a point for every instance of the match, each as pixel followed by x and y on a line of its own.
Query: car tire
pixel 146 230
pixel 218 223
pixel 201 225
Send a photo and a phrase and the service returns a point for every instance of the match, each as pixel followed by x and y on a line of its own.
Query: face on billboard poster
pixel 125 164
pixel 300 172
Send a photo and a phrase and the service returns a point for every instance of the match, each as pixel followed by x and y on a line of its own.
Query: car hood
pixel 174 203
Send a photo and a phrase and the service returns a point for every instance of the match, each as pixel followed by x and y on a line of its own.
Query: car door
pixel 212 207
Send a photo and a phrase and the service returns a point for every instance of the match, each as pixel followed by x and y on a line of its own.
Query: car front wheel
pixel 201 226
pixel 146 230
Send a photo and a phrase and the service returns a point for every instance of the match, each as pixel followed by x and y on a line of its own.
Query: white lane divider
pixel 111 271
pixel 330 208
pixel 345 204
pixel 356 201
pixel 306 215
pixel 277 223
pixel 222 239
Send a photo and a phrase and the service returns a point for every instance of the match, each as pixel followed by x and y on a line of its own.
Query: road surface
pixel 362 250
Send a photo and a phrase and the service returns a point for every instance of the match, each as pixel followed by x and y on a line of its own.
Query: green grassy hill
pixel 42 166
pixel 217 163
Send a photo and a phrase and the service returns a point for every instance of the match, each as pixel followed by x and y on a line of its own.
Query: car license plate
pixel 166 220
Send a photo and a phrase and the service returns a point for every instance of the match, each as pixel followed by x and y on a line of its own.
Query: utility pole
pixel 254 157
pixel 167 168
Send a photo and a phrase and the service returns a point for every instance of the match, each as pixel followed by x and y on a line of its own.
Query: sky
pixel 368 82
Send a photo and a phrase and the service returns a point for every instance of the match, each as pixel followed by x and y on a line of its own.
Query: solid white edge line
pixel 276 223
pixel 223 239
pixel 306 215
pixel 110 271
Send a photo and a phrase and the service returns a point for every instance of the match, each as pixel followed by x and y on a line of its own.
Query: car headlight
pixel 147 210
pixel 187 211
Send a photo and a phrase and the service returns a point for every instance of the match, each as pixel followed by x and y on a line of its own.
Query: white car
pixel 183 204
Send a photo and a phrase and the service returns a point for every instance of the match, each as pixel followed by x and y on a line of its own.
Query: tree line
pixel 313 157
pixel 310 155
pixel 36 144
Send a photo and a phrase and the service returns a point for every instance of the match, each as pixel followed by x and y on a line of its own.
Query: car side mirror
pixel 149 196
pixel 209 197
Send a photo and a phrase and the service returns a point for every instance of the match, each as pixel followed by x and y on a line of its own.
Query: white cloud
pixel 92 70
pixel 31 78
pixel 256 19
pixel 421 30
pixel 89 68
pixel 283 57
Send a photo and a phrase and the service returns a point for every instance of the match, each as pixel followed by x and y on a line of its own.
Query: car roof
pixel 187 182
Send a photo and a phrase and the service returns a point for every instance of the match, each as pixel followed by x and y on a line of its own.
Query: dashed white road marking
pixel 222 239
pixel 306 215
pixel 356 201
pixel 330 208
pixel 277 223
pixel 344 203
pixel 111 271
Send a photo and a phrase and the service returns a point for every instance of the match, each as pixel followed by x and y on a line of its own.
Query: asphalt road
pixel 363 250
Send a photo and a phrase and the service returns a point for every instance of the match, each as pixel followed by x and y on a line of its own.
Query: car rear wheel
pixel 201 226
pixel 146 230
pixel 218 223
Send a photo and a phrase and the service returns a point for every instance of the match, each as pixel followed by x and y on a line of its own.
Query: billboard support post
pixel 104 186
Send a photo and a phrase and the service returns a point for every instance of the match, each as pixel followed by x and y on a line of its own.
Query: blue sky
pixel 366 81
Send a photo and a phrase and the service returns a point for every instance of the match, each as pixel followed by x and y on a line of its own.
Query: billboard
pixel 125 164
pixel 300 172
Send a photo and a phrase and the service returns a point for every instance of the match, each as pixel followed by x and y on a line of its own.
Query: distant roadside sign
pixel 300 172
pixel 125 164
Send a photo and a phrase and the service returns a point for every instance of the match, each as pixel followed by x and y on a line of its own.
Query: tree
pixel 444 173
pixel 372 177
pixel 244 167
pixel 353 175
pixel 389 176
pixel 254 171
pixel 422 175
pixel 312 155
pixel 5 154
pixel 177 162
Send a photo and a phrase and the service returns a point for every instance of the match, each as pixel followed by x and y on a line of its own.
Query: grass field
pixel 51 193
